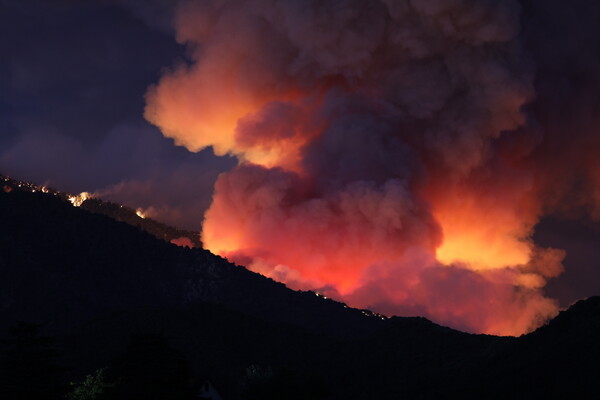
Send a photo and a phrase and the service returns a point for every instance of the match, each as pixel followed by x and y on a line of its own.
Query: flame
pixel 140 213
pixel 78 200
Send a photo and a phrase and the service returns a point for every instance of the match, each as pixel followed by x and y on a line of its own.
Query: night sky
pixel 76 78
pixel 73 79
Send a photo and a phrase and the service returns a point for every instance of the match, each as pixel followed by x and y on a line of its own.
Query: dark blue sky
pixel 72 81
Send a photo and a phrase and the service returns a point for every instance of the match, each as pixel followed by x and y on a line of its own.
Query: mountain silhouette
pixel 94 284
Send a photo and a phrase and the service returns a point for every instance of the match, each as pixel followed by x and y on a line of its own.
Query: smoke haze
pixel 387 155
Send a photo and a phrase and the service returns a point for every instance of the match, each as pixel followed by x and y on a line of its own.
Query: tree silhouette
pixel 92 387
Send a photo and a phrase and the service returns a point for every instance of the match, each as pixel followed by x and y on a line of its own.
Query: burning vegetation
pixel 90 202
pixel 78 200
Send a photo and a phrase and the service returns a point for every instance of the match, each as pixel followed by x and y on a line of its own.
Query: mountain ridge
pixel 95 282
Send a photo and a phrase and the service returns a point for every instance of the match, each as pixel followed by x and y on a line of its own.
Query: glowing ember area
pixel 372 138
pixel 11 185
pixel 140 213
pixel 79 199
pixel 183 242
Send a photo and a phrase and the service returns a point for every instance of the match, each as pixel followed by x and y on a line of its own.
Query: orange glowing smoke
pixel 182 242
pixel 370 137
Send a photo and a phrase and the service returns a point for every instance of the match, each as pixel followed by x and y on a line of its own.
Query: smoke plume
pixel 389 156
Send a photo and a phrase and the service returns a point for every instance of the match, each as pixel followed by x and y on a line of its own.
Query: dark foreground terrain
pixel 82 294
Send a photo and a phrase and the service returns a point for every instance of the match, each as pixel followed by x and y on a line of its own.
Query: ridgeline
pixel 103 285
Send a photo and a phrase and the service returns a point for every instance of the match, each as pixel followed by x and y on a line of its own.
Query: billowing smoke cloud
pixel 387 155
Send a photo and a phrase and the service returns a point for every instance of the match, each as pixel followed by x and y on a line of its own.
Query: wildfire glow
pixel 483 230
pixel 78 200
pixel 139 212
pixel 371 163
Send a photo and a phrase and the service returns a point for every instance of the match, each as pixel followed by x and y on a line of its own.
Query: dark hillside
pixel 118 212
pixel 96 284
pixel 131 217
pixel 559 360
pixel 52 253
